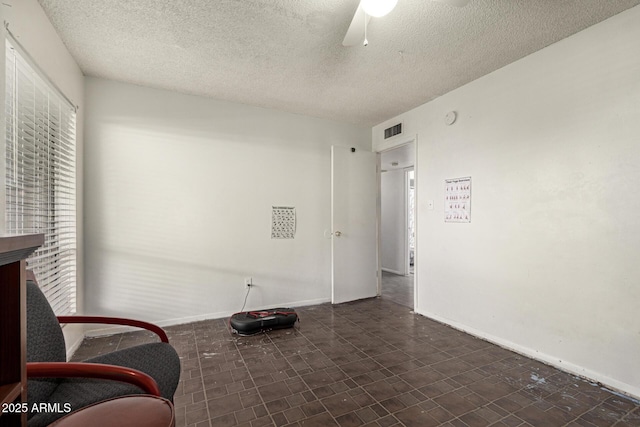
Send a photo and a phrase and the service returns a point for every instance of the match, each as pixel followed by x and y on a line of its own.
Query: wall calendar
pixel 457 200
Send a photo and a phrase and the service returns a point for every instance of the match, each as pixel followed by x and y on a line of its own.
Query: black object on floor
pixel 252 322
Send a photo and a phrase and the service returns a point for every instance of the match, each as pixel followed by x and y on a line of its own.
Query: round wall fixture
pixel 378 8
pixel 450 118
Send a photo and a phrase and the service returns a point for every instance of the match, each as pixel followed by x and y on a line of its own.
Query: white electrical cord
pixel 245 298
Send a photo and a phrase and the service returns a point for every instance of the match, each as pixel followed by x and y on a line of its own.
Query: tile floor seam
pixel 302 379
pixel 264 404
pixel 261 398
pixel 338 367
pixel 204 389
pixel 119 342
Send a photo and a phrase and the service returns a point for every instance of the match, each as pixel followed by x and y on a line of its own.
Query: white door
pixel 354 252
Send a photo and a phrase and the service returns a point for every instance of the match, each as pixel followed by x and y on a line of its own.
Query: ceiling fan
pixel 376 8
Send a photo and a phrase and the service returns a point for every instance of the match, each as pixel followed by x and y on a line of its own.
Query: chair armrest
pixel 116 321
pixel 93 370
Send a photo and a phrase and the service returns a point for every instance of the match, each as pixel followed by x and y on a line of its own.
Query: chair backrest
pixel 45 341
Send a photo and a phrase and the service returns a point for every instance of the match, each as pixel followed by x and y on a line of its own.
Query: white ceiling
pixel 288 54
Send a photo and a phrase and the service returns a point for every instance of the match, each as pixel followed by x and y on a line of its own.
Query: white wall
pixel 393 221
pixel 549 263
pixel 29 24
pixel 178 193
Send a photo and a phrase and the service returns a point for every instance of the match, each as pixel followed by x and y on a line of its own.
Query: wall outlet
pixel 248 281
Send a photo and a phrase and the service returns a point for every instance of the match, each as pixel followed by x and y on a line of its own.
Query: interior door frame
pixel 387 146
pixel 407 211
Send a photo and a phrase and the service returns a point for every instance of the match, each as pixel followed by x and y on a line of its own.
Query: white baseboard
pixel 73 336
pixel 594 377
pixel 72 349
pixel 388 270
pixel 111 330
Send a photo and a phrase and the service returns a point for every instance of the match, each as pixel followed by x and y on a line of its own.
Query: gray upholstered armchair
pixel 149 368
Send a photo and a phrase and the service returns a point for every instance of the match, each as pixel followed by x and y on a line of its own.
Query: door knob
pixel 337 233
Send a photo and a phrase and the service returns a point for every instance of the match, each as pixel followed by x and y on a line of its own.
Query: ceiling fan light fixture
pixel 378 8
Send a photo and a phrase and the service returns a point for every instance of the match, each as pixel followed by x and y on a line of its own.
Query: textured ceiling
pixel 288 54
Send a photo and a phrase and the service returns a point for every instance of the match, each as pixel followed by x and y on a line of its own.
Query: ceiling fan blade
pixel 355 33
pixel 457 3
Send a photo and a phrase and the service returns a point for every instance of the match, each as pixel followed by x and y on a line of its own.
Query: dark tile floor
pixel 373 363
pixel 398 288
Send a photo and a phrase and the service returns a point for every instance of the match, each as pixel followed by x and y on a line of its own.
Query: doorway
pixel 397 224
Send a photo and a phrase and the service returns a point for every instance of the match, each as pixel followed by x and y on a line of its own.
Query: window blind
pixel 41 176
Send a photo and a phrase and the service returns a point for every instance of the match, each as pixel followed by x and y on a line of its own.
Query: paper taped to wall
pixel 283 222
pixel 457 200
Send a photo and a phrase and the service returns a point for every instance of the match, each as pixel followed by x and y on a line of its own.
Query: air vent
pixel 393 131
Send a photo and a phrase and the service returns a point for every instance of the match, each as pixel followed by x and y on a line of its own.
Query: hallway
pixel 398 289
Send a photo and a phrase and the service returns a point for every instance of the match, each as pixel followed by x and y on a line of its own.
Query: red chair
pixel 152 368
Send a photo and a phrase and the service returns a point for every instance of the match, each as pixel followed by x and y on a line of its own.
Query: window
pixel 40 175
